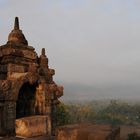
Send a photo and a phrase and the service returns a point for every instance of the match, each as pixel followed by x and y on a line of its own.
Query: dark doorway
pixel 25 105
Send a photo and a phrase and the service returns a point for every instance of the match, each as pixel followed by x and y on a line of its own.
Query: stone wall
pixel 9 117
pixel 88 132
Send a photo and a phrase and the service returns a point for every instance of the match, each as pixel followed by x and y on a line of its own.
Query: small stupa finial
pixel 16 25
pixel 43 52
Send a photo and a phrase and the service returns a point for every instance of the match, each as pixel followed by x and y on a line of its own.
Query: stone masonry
pixel 26 83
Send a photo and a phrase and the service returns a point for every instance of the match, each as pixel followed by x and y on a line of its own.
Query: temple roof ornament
pixel 16 35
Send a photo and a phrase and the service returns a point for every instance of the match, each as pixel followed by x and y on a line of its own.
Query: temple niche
pixel 26 83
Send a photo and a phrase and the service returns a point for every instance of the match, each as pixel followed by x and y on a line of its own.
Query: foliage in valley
pixel 115 112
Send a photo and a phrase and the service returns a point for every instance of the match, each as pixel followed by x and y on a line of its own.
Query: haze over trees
pixel 114 112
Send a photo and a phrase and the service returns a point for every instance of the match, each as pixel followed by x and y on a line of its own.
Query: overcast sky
pixel 94 45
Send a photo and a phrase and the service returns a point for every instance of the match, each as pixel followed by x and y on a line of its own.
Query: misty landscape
pixel 93 90
pixel 92 44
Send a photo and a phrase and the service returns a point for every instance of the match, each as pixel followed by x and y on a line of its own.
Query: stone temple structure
pixel 26 83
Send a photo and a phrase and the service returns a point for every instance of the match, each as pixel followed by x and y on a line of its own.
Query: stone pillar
pixel 10 117
pixel 48 110
pixel 49 120
pixel 53 113
pixel 1 120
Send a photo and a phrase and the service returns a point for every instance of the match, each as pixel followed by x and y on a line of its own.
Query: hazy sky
pixel 94 45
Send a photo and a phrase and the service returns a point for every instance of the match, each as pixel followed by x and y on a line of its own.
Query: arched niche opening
pixel 25 105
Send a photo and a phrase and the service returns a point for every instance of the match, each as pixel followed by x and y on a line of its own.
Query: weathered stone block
pixel 16 68
pixel 3 68
pixel 31 126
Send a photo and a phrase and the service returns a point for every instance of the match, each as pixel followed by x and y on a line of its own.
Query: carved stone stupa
pixel 26 83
